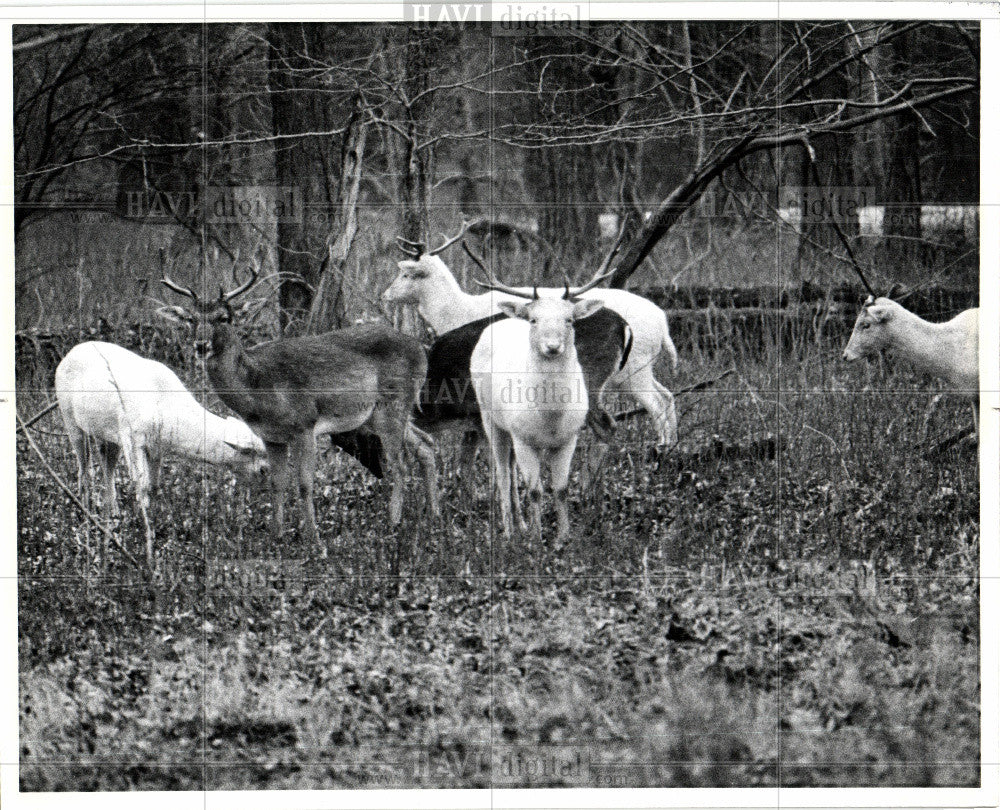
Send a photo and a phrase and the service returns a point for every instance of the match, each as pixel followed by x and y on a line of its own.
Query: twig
pixel 950 442
pixel 836 447
pixel 48 409
pixel 836 226
pixel 86 512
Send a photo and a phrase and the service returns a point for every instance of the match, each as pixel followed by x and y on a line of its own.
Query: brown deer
pixel 290 391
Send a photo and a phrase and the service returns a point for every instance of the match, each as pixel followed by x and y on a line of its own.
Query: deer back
pixel 286 386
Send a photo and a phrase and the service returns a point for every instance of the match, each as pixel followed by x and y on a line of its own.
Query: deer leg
pixel 107 457
pixel 78 442
pixel 515 494
pixel 669 411
pixel 560 464
pixel 647 392
pixel 500 450
pixel 530 466
pixel 304 452
pixel 391 429
pixel 138 468
pixel 277 456
pixel 423 447
pixel 601 422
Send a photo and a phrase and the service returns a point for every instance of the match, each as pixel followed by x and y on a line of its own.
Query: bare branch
pixel 48 39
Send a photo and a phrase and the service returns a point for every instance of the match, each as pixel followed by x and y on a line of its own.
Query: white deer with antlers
pixel 532 393
pixel 426 281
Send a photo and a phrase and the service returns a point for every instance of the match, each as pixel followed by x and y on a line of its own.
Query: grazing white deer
pixel 948 350
pixel 139 409
pixel 532 395
pixel 291 390
pixel 426 281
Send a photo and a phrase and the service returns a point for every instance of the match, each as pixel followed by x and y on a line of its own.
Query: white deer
pixel 532 395
pixel 138 408
pixel 426 281
pixel 948 350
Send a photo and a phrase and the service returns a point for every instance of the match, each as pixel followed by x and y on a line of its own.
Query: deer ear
pixel 241 437
pixel 173 314
pixel 242 449
pixel 513 309
pixel 880 313
pixel 586 307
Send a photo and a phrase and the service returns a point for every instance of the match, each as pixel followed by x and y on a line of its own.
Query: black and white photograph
pixel 503 397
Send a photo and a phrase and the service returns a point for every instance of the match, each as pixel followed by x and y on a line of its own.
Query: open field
pixel 789 597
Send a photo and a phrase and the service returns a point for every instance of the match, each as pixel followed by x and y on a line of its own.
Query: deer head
pixel 420 269
pixel 205 315
pixel 550 320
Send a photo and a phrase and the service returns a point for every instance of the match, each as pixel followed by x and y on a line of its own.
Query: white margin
pixel 986 796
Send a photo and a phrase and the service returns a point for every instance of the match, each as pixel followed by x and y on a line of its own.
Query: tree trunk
pixel 328 307
pixel 300 163
pixel 412 160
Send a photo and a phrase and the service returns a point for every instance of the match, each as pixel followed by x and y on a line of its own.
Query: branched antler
pixel 475 257
pixel 495 285
pixel 466 224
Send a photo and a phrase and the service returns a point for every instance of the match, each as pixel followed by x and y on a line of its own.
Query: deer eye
pixel 866 326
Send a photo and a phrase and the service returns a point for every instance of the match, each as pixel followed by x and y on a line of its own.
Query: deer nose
pixel 552 348
pixel 201 347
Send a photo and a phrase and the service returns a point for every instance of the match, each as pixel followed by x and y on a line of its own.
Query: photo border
pixel 988 794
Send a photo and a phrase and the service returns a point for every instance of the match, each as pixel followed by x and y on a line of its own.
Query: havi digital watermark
pixel 505 19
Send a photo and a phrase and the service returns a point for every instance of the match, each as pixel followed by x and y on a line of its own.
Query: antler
pixel 466 224
pixel 412 249
pixel 475 257
pixel 493 284
pixel 171 284
pixel 570 293
pixel 254 277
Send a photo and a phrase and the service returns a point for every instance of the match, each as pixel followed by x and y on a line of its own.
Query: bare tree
pixel 78 91
pixel 750 88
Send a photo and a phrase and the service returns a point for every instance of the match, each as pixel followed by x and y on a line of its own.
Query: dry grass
pixel 790 597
